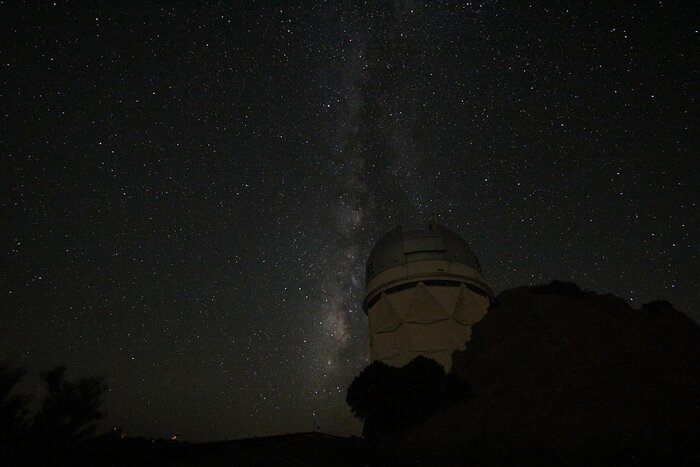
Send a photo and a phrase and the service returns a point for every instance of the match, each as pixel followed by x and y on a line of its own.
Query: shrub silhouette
pixel 391 399
pixel 659 306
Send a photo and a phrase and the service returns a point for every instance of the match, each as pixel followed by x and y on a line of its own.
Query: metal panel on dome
pixel 424 240
pixel 458 250
pixel 387 253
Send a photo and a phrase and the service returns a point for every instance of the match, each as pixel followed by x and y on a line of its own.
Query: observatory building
pixel 424 291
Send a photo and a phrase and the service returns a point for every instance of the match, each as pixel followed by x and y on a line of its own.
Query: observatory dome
pixel 404 246
pixel 424 290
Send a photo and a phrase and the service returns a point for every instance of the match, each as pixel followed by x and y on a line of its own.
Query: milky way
pixel 189 194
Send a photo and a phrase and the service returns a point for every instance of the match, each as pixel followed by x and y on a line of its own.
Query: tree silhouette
pixel 391 399
pixel 561 288
pixel 14 408
pixel 71 409
pixel 67 415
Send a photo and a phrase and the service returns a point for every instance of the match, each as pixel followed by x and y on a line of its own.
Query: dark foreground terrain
pixel 286 450
pixel 553 375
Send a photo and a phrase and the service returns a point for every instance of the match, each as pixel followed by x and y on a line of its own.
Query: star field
pixel 189 193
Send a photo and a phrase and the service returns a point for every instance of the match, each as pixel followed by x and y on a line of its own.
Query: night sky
pixel 189 193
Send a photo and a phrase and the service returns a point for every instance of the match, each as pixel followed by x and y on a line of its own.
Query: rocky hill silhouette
pixel 562 375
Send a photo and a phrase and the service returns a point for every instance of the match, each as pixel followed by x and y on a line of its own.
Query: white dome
pixel 402 246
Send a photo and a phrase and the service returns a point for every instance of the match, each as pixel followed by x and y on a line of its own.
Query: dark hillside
pixel 562 374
